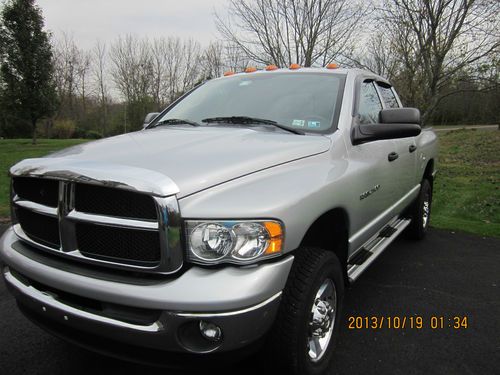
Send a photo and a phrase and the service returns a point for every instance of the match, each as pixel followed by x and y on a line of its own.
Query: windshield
pixel 303 101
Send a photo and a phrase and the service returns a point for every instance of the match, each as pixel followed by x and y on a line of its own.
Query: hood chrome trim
pixel 97 173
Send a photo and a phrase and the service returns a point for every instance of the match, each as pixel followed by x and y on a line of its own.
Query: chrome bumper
pixel 243 302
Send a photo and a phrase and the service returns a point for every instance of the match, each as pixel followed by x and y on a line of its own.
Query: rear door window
pixel 388 96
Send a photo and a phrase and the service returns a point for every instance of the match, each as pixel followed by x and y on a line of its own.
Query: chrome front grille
pixel 110 226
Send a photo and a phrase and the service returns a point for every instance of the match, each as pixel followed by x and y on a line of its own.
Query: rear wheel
pixel 421 212
pixel 307 325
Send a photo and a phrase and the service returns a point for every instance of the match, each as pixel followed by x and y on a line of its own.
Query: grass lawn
pixel 466 191
pixel 467 187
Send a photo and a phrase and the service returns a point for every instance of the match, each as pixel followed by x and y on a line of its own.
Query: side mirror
pixel 400 116
pixel 149 117
pixel 394 123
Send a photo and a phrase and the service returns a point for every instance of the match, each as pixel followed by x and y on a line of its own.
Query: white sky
pixel 89 20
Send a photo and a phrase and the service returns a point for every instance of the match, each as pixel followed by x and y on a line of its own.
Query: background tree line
pixel 442 56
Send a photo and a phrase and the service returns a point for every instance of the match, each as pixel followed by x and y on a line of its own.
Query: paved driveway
pixel 446 275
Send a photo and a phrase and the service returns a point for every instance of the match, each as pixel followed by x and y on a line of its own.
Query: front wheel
pixel 307 324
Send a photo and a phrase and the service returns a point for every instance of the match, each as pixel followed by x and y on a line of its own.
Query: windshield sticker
pixel 300 123
pixel 313 124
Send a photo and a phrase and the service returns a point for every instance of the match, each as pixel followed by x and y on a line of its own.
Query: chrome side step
pixel 374 247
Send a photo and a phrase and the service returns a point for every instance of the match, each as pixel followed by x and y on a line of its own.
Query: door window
pixel 369 104
pixel 388 96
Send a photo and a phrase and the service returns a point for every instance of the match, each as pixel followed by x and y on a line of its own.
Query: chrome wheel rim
pixel 426 210
pixel 322 320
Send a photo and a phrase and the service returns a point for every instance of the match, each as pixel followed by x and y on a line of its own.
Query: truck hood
pixel 198 158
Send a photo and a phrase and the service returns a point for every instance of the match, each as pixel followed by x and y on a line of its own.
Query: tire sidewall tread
pixel 416 230
pixel 289 335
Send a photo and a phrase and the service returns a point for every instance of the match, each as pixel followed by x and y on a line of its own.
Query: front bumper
pixel 243 302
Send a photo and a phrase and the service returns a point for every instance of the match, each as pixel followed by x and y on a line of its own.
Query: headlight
pixel 211 242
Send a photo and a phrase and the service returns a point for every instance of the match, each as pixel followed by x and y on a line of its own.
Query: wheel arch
pixel 429 171
pixel 330 232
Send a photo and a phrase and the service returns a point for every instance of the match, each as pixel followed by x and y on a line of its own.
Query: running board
pixel 373 248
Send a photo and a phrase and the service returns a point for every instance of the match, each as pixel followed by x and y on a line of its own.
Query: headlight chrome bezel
pixel 274 248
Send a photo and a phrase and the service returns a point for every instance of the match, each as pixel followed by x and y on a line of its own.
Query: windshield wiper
pixel 176 121
pixel 250 120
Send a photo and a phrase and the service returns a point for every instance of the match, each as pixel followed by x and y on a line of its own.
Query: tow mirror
pixel 394 123
pixel 400 116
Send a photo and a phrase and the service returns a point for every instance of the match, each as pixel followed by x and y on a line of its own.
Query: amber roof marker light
pixel 228 73
pixel 294 66
pixel 332 66
pixel 250 69
pixel 271 67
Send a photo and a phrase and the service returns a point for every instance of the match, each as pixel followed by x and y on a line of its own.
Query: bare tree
pixel 219 57
pixel 183 68
pixel 213 60
pixel 132 73
pixel 282 32
pixel 160 59
pixel 66 60
pixel 82 62
pixel 100 83
pixel 235 59
pixel 72 68
pixel 132 66
pixel 436 39
pixel 191 69
pixel 378 55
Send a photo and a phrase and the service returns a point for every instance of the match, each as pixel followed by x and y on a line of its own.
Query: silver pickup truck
pixel 234 220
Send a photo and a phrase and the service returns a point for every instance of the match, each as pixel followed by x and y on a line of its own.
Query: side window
pixel 388 96
pixel 369 104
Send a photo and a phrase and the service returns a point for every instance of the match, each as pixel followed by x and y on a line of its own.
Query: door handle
pixel 392 156
pixel 412 148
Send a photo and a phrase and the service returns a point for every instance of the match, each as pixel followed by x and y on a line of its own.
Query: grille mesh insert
pixel 38 190
pixel 114 202
pixel 40 228
pixel 118 244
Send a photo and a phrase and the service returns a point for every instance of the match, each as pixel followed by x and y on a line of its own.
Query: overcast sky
pixel 89 20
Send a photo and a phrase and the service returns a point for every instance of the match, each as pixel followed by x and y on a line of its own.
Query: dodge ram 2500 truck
pixel 235 218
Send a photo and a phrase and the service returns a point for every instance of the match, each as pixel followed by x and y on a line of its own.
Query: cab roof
pixel 352 72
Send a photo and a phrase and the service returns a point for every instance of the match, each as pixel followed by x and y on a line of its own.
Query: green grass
pixel 466 191
pixel 14 150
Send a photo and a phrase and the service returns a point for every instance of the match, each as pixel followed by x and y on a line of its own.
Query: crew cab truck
pixel 236 218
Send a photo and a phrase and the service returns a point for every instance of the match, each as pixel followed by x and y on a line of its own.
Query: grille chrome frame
pixel 167 225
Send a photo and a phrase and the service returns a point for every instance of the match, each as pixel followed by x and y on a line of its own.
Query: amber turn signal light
pixel 276 234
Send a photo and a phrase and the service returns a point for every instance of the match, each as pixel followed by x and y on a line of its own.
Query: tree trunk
pixel 33 124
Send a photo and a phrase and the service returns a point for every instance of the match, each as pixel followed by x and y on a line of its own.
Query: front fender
pixel 297 193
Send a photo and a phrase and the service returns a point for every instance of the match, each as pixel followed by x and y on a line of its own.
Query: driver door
pixel 374 190
pixel 405 148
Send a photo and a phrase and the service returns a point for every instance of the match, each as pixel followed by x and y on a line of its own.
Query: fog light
pixel 210 331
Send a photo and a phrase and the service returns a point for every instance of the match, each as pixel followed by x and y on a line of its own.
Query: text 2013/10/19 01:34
pixel 407 322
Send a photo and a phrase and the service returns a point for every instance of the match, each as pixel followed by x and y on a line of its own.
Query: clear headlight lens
pixel 211 242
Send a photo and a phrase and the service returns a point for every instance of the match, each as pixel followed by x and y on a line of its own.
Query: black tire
pixel 421 212
pixel 290 336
